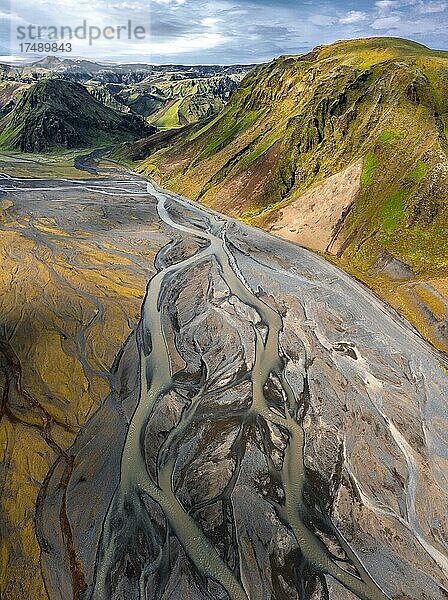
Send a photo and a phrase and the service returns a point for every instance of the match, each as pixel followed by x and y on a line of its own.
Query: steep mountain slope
pixel 56 113
pixel 189 100
pixel 169 102
pixel 10 93
pixel 343 150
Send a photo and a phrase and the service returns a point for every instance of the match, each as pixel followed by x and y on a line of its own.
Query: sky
pixel 210 32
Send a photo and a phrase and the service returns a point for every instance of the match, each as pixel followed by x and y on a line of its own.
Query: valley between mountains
pixel 193 408
pixel 202 398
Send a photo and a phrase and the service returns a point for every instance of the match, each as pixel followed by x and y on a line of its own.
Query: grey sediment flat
pixel 273 429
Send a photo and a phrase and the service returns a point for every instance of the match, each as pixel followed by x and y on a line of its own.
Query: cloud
pixel 210 21
pixel 127 6
pixel 432 7
pixel 386 22
pixel 169 2
pixel 322 20
pixel 387 5
pixel 353 17
pixel 183 45
pixel 231 31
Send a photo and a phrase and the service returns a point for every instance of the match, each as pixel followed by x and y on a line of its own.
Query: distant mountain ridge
pixel 172 95
pixel 68 64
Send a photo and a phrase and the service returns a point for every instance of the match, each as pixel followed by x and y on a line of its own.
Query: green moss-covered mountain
pixel 191 99
pixel 170 101
pixel 343 150
pixel 56 114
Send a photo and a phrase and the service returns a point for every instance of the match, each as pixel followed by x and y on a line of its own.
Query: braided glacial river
pixel 156 380
pixel 272 429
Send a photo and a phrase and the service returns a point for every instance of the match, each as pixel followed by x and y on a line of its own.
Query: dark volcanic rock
pixel 386 264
